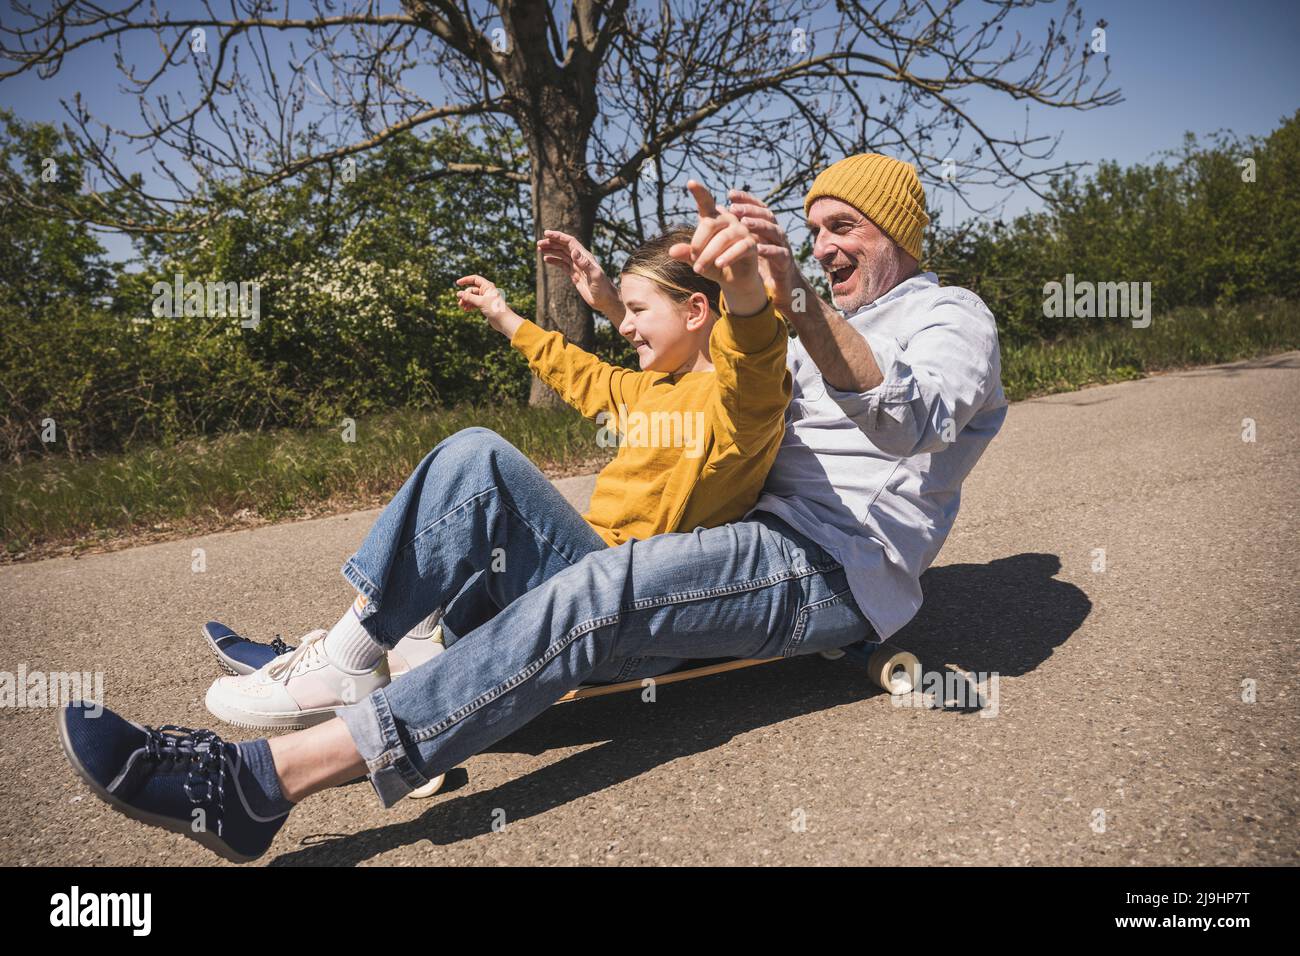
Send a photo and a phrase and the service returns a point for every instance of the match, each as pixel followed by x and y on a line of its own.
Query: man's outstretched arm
pixel 839 350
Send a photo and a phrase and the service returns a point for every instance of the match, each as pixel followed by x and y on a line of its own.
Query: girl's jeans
pixel 540 605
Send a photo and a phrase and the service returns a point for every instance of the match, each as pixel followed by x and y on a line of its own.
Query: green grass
pixel 1183 339
pixel 209 483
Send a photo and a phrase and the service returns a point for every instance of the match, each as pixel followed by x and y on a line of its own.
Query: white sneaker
pixel 423 643
pixel 293 691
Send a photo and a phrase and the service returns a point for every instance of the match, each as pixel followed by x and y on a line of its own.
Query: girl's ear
pixel 697 311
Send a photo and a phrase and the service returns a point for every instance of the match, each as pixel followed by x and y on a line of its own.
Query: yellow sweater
pixel 693 452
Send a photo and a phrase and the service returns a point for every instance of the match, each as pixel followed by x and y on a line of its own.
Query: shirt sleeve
pixel 934 384
pixel 753 385
pixel 584 381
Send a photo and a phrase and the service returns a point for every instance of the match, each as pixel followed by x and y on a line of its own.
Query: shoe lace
pixel 205 754
pixel 285 666
pixel 279 646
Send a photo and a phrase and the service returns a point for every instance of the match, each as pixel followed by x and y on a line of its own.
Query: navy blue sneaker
pixel 239 655
pixel 186 781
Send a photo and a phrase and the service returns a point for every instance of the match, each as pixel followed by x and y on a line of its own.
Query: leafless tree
pixel 610 100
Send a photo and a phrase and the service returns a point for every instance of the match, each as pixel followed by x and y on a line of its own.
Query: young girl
pixel 700 424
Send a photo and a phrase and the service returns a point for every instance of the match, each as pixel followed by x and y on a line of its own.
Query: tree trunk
pixel 555 108
pixel 560 203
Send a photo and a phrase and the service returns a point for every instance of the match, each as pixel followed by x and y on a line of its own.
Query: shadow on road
pixel 1006 617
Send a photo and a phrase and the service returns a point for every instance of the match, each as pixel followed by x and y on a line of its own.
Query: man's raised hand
pixel 776 260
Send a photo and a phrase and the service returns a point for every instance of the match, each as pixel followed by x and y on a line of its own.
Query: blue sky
pixel 1196 66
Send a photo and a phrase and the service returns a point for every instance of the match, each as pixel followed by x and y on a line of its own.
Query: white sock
pixel 424 630
pixel 349 646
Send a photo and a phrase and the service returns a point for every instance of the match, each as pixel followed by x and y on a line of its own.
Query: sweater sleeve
pixel 753 384
pixel 584 381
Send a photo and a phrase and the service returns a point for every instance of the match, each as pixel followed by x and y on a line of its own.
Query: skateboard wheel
pixel 832 655
pixel 898 672
pixel 429 789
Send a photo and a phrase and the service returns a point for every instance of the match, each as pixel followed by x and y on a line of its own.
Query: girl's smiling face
pixel 669 336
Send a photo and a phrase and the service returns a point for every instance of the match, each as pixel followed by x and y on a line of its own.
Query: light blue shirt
pixel 875 477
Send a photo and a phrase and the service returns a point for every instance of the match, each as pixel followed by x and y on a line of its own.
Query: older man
pixel 897 372
pixel 897 394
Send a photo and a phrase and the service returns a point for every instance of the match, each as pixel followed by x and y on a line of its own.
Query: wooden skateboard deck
pixel 682 673
pixel 892 670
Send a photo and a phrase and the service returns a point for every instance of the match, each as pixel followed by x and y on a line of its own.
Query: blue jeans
pixel 477 524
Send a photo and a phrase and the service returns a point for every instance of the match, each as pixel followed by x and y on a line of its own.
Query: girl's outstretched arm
pixel 723 249
pixel 584 381
pixel 748 344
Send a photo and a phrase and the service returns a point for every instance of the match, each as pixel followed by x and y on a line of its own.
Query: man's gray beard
pixel 850 306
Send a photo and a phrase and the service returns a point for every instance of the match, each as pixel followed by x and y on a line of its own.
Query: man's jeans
pixel 478 525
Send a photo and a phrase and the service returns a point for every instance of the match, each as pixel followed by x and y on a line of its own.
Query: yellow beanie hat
pixel 886 191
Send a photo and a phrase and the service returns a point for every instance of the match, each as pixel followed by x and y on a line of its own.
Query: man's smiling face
pixel 860 261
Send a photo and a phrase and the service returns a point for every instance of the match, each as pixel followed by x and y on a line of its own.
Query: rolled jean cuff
pixel 357 578
pixel 373 730
pixel 353 574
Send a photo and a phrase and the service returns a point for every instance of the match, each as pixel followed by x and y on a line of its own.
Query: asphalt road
pixel 1120 728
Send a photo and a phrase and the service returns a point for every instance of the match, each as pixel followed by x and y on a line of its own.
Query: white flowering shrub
pixel 356 309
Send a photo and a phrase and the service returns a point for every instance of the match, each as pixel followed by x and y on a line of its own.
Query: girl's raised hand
pixel 479 293
pixel 563 250
pixel 724 250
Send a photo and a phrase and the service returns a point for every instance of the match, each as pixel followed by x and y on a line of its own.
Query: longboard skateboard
pixel 892 670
